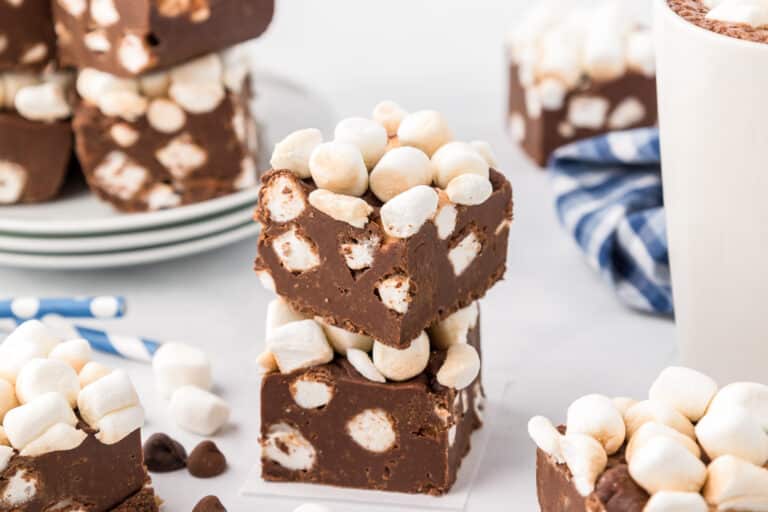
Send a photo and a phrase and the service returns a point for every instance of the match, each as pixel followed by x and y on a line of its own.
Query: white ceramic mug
pixel 713 107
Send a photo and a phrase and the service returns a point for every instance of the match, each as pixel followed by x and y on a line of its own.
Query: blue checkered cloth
pixel 608 196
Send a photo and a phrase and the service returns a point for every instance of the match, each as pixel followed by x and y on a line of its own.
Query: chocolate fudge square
pixel 408 437
pixel 27 40
pixel 131 37
pixel 362 280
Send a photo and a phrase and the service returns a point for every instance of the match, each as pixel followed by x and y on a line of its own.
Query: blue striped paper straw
pixel 27 308
pixel 127 347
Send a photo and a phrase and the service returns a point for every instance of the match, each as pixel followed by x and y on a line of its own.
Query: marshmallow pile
pixel 560 45
pixel 48 386
pixel 42 97
pixel 690 445
pixel 183 375
pixel 296 342
pixel 409 161
pixel 749 12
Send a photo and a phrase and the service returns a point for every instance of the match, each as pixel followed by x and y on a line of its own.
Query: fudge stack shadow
pixel 158 101
pixel 378 245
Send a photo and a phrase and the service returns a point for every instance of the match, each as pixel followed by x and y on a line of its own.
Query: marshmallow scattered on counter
pixel 177 364
pixel 198 411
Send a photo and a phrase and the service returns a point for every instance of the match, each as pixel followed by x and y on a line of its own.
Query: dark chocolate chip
pixel 163 454
pixel 206 460
pixel 209 504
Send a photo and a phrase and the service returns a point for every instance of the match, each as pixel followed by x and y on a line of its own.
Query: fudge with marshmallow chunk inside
pixel 573 76
pixel 691 446
pixel 27 40
pixel 170 138
pixel 34 109
pixel 131 37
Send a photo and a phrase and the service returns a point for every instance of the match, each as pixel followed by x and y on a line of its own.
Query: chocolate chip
pixel 209 504
pixel 206 460
pixel 163 454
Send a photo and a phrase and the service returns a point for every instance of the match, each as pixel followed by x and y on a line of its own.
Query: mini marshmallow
pixel 374 430
pixel 155 85
pixel 402 364
pixel 42 376
pixel 669 501
pixel 177 364
pixel 104 12
pixel 206 69
pixel 197 98
pixel 629 112
pixel 339 167
pixel 279 313
pixel 198 411
pixel 651 430
pixel 454 328
pixel 284 198
pixel 469 189
pixel 455 159
pixel 32 333
pixel 362 362
pixel 404 215
pixel 588 112
pixel 559 57
pixel 342 340
pixel 586 458
pixel 485 150
pixel 666 465
pixel 44 102
pixel 6 453
pixel 551 93
pixel 60 437
pixel 116 426
pixel 7 398
pixel 266 363
pixel 110 393
pixel 293 152
pixel 641 54
pixel 133 54
pixel 352 210
pixel 465 252
pixel 91 84
pixel 445 220
pixel 14 179
pixel 399 170
pixel 461 367
pixel 295 252
pixel 286 446
pixel 266 280
pixel 389 115
pixel 3 438
pixel 127 105
pixel 76 353
pixel 426 130
pixel 749 395
pixel 659 412
pixel 685 390
pixel 360 254
pixel 26 423
pixel 731 480
pixel 597 416
pixel 311 394
pixel 369 137
pixel 604 47
pixel 623 403
pixel 733 431
pixel 394 293
pixel 165 116
pixel 92 372
pixel 299 345
pixel 546 437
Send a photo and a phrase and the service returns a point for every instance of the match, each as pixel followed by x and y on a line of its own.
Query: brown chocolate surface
pixel 214 132
pixel 542 135
pixel 695 12
pixel 422 460
pixel 94 476
pixel 172 31
pixel 349 299
pixel 23 29
pixel 42 150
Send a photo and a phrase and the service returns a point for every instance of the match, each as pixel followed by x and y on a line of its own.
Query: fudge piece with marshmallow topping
pixel 169 138
pixel 132 37
pixel 27 40
pixel 70 437
pixel 691 446
pixel 341 423
pixel 384 254
pixel 34 107
pixel 578 74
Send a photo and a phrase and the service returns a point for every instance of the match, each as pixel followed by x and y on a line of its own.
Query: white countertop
pixel 552 327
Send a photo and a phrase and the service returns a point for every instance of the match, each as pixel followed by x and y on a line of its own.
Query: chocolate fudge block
pixel 578 76
pixel 131 37
pixel 424 270
pixel 27 40
pixel 167 141
pixel 408 437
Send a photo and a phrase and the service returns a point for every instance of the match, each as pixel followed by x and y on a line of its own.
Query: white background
pixel 552 327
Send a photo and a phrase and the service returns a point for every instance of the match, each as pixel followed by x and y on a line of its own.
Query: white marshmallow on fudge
pixel 178 364
pixel 733 431
pixel 402 364
pixel 111 393
pixel 8 398
pixel 400 169
pixel 76 353
pixel 455 159
pixel 117 425
pixel 41 376
pixel 426 130
pixel 586 459
pixel 675 501
pixel 597 416
pixel 666 465
pixel 28 422
pixel 685 390
pixel 547 437
pixel 454 329
pixel 469 189
pixel 299 345
pixel 389 115
pixel 339 167
pixel 659 412
pixel 362 362
pixel 59 437
pixel 735 484
pixel 460 368
pixel 369 136
pixel 342 340
pixel 92 372
pixel 651 430
pixel 199 411
pixel 748 395
pixel 279 313
pixel 352 210
pixel 294 151
pixel 405 214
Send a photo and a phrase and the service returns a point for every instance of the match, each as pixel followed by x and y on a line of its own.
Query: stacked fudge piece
pixel 691 446
pixel 578 71
pixel 71 429
pixel 35 105
pixel 379 245
pixel 164 118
